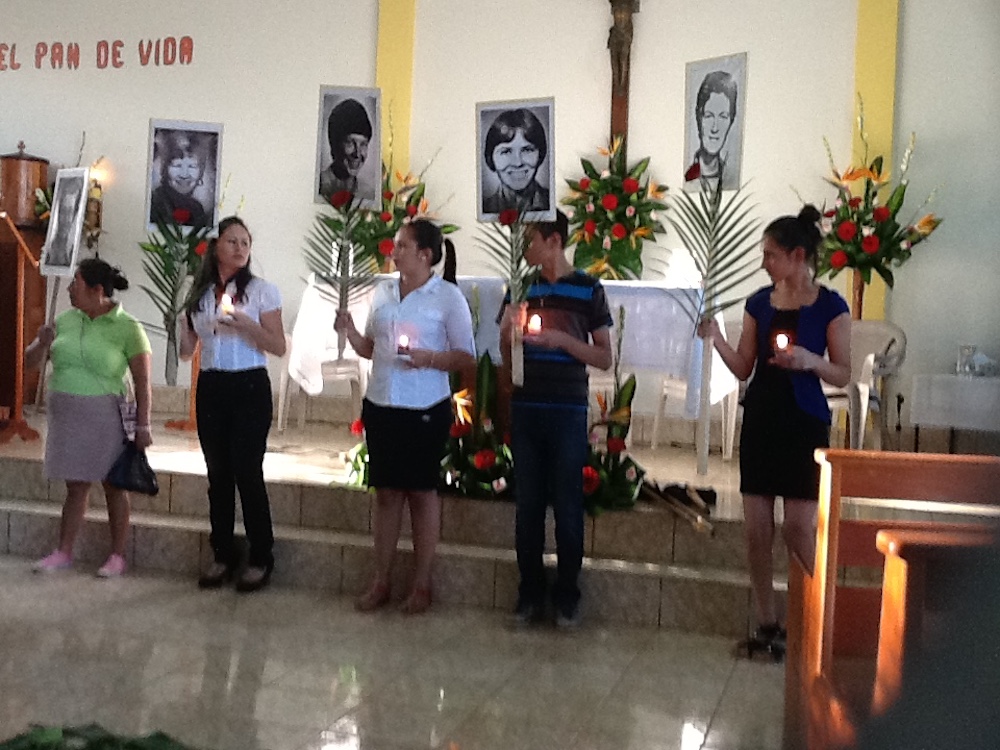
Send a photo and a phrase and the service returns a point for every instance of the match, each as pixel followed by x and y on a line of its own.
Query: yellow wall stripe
pixel 394 75
pixel 875 81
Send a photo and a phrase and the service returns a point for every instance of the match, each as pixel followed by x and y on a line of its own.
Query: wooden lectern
pixel 16 424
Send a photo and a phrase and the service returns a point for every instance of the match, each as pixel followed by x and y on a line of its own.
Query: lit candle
pixel 535 324
pixel 226 306
pixel 782 341
pixel 404 341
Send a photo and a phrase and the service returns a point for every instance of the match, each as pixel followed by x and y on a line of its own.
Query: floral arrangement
pixel 613 212
pixel 356 458
pixel 611 478
pixel 477 461
pixel 863 232
pixel 171 256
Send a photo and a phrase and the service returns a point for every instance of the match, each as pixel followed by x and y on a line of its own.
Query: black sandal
pixel 217 575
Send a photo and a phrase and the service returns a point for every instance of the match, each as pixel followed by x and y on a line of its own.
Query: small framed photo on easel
pixel 69 207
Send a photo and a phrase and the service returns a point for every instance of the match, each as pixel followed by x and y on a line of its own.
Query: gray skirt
pixel 85 436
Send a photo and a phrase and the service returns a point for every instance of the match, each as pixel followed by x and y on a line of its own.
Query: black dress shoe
pixel 217 575
pixel 254 578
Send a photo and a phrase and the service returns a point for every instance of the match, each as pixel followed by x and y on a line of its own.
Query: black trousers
pixel 234 417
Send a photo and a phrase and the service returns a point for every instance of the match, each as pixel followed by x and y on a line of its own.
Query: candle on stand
pixel 535 324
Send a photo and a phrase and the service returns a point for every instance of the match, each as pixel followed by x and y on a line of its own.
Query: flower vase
pixel 857 295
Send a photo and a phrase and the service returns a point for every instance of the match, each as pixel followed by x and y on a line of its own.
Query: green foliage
pixel 90 737
pixel 613 213
pixel 721 236
pixel 172 255
pixel 504 245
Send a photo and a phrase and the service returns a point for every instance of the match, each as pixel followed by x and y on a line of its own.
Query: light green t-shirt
pixel 90 356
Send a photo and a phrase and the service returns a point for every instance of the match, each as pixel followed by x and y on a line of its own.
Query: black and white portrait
pixel 713 130
pixel 515 162
pixel 348 144
pixel 184 165
pixel 69 206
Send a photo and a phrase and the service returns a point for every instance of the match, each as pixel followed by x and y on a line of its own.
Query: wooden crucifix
pixel 620 47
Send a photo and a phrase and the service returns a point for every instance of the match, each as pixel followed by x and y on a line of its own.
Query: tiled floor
pixel 284 669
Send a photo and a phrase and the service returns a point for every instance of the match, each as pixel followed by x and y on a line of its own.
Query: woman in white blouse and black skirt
pixel 419 328
pixel 237 317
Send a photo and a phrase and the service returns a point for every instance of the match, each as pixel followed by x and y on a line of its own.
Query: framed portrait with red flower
pixel 515 166
pixel 715 102
pixel 348 145
pixel 185 159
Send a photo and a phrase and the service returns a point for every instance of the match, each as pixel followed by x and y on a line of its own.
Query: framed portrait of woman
pixel 516 159
pixel 185 159
pixel 348 144
pixel 69 207
pixel 715 98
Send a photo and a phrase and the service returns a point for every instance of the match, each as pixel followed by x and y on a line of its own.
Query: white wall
pixel 947 93
pixel 257 69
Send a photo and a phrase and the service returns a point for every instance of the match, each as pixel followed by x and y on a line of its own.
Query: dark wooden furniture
pixel 834 611
pixel 34 310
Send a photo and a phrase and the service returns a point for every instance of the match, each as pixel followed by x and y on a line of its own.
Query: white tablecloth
pixel 659 338
pixel 960 402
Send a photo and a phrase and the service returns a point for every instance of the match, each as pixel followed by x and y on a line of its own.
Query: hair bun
pixel 118 280
pixel 809 214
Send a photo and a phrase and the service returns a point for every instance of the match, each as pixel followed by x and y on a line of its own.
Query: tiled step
pixel 694 598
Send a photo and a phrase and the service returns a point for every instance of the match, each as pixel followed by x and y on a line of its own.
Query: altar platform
pixel 643 567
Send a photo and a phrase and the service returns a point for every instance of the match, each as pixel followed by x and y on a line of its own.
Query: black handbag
pixel 132 472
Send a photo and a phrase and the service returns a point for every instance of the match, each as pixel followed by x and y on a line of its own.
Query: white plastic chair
pixel 878 349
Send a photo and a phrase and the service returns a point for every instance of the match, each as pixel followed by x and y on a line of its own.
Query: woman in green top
pixel 92 345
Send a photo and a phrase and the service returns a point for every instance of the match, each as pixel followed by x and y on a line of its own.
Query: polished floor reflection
pixel 298 671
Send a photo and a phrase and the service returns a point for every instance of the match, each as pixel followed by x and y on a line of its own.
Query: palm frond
pixel 504 247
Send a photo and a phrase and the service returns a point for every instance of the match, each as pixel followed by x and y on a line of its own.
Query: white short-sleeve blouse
pixel 221 350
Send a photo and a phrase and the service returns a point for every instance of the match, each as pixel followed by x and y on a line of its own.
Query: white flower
pixel 838 203
pixel 570 213
pixel 630 473
pixel 499 484
pixel 904 245
pixel 595 438
pixel 487 425
pixel 590 208
pixel 607 243
pixel 630 211
pixel 867 231
pixel 826 225
pixel 605 174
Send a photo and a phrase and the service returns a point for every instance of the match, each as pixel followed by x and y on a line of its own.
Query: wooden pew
pixel 833 613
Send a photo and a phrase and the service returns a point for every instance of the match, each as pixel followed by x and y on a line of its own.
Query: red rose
pixel 693 173
pixel 854 202
pixel 341 198
pixel 182 215
pixel 386 246
pixel 616 445
pixel 357 427
pixel 484 459
pixel 411 211
pixel 831 213
pixel 619 232
pixel 610 202
pixel 388 195
pixel 881 213
pixel 591 480
pixel 589 226
pixel 385 216
pixel 846 230
pixel 508 216
pixel 459 429
pixel 201 248
pixel 630 185
pixel 870 244
pixel 838 259
pixel 585 183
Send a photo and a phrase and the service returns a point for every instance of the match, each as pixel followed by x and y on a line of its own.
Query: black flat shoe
pixel 217 575
pixel 254 578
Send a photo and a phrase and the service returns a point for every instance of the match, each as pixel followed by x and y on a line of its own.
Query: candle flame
pixel 535 323
pixel 781 341
pixel 404 340
pixel 226 305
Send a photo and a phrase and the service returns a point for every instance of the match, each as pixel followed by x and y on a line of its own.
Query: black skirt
pixel 405 446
